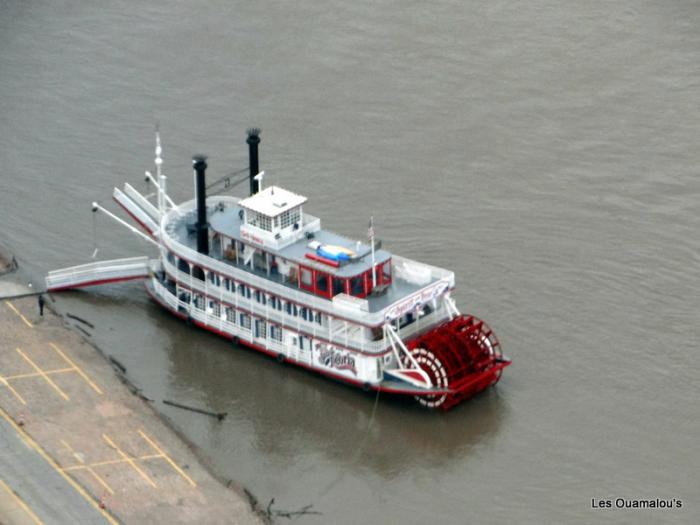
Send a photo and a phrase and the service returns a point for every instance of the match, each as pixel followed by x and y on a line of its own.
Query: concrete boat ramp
pixel 76 446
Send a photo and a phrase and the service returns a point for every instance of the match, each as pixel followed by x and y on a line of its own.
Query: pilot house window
pixel 289 217
pixel 261 221
pixel 338 285
pixel 357 285
pixel 321 282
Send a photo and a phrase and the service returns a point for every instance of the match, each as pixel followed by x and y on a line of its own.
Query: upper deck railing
pixel 326 330
pixel 286 292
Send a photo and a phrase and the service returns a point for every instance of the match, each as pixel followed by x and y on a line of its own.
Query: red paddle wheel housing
pixel 462 355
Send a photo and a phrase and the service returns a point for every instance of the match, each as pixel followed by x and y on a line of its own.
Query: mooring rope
pixel 360 449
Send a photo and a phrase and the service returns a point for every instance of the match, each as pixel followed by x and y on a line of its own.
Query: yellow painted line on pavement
pixel 130 460
pixel 21 503
pixel 4 381
pixel 100 480
pixel 58 469
pixel 76 368
pixel 95 475
pixel 26 321
pixel 112 462
pixel 151 456
pixel 43 374
pixel 98 464
pixel 167 458
pixel 37 374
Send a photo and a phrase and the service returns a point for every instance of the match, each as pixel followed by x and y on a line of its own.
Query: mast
pixel 160 181
pixel 161 178
pixel 370 233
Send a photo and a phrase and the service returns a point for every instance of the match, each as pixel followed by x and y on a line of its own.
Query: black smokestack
pixel 253 141
pixel 200 165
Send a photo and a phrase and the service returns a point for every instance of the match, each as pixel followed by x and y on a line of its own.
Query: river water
pixel 545 151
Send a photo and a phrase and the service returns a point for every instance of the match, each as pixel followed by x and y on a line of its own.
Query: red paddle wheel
pixel 462 355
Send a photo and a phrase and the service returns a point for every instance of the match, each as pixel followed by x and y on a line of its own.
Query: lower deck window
pixel 231 315
pixel 215 308
pixel 260 328
pixel 198 302
pixel 275 333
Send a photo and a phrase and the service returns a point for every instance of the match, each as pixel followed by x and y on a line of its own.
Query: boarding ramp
pixel 101 272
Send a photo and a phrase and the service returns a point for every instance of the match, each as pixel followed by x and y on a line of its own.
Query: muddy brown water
pixel 546 152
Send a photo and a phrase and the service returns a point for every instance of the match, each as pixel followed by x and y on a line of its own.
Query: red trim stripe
pixel 323 260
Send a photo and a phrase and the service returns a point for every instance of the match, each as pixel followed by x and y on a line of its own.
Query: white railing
pixel 76 276
pixel 316 303
pixel 268 312
pixel 333 331
pixel 424 322
pixel 435 272
pixel 218 322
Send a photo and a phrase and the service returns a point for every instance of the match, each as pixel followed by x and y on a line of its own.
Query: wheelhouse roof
pixel 272 201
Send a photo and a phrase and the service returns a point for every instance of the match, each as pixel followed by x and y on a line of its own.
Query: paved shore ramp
pixel 101 272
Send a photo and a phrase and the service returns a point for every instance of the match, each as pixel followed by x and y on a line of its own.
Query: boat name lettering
pixel 332 358
pixel 251 237
pixel 416 300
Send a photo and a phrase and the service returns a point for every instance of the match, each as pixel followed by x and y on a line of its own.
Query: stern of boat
pixel 453 362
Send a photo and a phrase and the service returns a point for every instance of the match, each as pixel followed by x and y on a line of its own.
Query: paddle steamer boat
pixel 261 272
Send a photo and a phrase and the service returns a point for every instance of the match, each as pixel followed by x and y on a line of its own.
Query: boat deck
pixel 399 288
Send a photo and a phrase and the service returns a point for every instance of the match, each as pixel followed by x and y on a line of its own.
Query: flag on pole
pixel 370 233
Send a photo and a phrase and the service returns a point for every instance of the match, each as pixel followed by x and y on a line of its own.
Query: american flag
pixel 370 230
